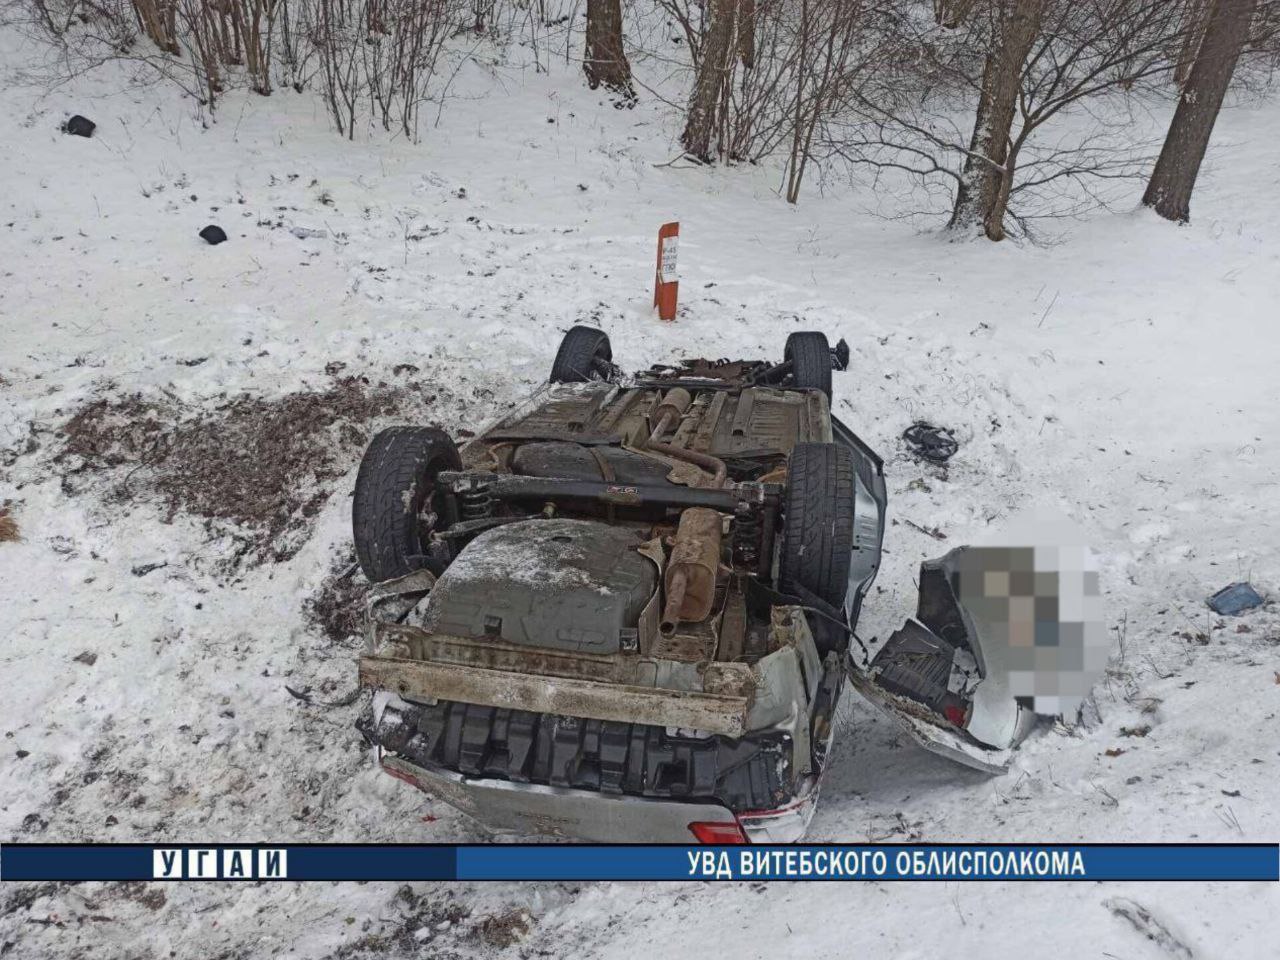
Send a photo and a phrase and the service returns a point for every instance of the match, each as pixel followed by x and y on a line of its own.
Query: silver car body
pixel 787 694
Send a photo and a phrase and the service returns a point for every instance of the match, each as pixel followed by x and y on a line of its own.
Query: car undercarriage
pixel 623 610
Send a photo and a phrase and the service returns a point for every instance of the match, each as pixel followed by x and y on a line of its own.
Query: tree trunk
pixel 1169 192
pixel 159 28
pixel 716 55
pixel 1193 33
pixel 995 218
pixel 983 191
pixel 747 33
pixel 605 61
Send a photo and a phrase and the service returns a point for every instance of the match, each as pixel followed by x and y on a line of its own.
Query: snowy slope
pixel 1125 375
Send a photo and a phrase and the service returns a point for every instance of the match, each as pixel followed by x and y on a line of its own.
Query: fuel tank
pixel 574 585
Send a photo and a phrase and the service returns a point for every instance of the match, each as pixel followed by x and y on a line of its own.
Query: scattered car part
pixel 927 442
pixel 1001 634
pixel 1235 599
pixel 79 126
pixel 213 235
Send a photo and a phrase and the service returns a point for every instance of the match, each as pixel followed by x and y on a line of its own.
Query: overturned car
pixel 624 610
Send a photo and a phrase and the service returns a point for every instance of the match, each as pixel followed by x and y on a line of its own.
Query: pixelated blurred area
pixel 1038 611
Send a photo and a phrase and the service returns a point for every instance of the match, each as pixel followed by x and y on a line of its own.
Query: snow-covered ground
pixel 1125 375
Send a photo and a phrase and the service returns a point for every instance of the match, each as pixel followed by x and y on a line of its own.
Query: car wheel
pixel 584 354
pixel 817 526
pixel 810 357
pixel 394 510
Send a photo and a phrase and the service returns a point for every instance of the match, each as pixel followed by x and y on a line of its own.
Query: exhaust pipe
pixel 668 412
pixel 691 574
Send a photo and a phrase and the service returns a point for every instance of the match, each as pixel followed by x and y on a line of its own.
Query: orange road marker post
pixel 666 287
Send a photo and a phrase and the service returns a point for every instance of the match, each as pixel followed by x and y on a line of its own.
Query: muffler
pixel 674 406
pixel 691 573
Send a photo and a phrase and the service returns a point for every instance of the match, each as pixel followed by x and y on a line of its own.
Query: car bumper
pixel 531 809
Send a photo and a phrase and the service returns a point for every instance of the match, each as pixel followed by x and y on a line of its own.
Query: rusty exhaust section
pixel 691 573
pixel 690 579
pixel 668 412
pixel 673 406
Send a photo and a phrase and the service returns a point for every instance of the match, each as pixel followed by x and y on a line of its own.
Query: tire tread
pixel 817 536
pixel 810 357
pixel 578 351
pixel 384 509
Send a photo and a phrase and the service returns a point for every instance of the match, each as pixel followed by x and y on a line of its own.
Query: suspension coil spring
pixel 747 528
pixel 476 503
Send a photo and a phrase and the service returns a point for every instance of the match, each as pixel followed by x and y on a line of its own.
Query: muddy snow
pixel 180 425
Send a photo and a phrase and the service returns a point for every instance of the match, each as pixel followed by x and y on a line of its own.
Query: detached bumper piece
pixel 934 678
pixel 611 758
pixel 915 663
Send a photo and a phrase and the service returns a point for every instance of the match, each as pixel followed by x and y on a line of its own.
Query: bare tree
pixel 983 192
pixel 1174 176
pixel 826 65
pixel 717 55
pixel 605 61
pixel 690 17
pixel 374 55
pixel 785 69
pixel 1085 59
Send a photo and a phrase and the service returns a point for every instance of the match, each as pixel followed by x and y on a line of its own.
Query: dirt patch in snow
pixel 114 431
pixel 503 930
pixel 418 925
pixel 255 469
pixel 24 896
pixel 8 527
pixel 413 925
pixel 336 609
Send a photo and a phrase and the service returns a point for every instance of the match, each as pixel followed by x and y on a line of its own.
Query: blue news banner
pixel 259 862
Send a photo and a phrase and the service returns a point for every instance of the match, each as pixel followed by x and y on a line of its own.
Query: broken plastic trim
pixel 935 677
pixel 786 824
pixel 840 355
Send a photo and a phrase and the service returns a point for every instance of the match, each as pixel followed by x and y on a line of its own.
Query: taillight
pixel 717 831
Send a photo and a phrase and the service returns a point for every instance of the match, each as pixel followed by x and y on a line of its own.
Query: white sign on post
pixel 669 245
